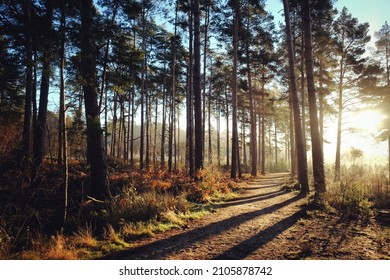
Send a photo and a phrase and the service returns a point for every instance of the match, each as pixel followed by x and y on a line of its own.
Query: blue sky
pixel 375 12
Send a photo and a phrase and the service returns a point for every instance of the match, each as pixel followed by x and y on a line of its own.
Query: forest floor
pixel 267 222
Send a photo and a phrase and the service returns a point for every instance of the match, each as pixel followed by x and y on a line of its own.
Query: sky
pixel 375 12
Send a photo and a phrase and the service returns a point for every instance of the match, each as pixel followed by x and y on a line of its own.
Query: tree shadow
pixel 252 244
pixel 267 186
pixel 161 249
pixel 249 199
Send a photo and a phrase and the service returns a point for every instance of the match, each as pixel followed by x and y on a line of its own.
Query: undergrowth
pixel 142 204
pixel 360 191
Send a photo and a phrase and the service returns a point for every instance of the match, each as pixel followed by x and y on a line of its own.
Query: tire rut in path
pixel 242 228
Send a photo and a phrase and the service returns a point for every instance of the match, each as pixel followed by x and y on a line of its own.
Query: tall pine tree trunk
pixel 62 137
pixel 300 146
pixel 29 84
pixel 337 164
pixel 227 131
pixel 292 142
pixel 189 100
pixel 235 153
pixel 253 136
pixel 40 127
pixel 263 124
pixel 206 26
pixel 197 91
pixel 143 71
pixel 317 153
pixel 95 148
pixel 210 151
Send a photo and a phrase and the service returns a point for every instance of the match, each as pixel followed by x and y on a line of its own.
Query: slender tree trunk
pixel 132 129
pixel 300 146
pixel 113 132
pixel 292 142
pixel 235 154
pixel 219 136
pixel 197 91
pixel 253 136
pixel 34 90
pixel 206 25
pixel 147 127
pixel 263 125
pixel 119 140
pixel 227 131
pixel 210 153
pixel 317 153
pixel 40 127
pixel 321 104
pixel 303 97
pixel 155 133
pixel 163 125
pixel 29 82
pixel 243 137
pixel 338 141
pixel 95 148
pixel 276 145
pixel 339 123
pixel 189 101
pixel 106 120
pixel 388 157
pixel 174 84
pixel 170 133
pixel 143 70
pixel 105 60
pixel 259 138
pixel 172 121
pixel 129 137
pixel 62 137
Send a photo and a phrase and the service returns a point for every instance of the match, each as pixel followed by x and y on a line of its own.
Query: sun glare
pixel 366 121
pixel 359 130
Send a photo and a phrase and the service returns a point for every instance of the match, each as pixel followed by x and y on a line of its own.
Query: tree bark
pixel 235 154
pixel 210 151
pixel 263 124
pixel 197 91
pixel 300 147
pixel 40 127
pixel 189 101
pixel 337 165
pixel 227 131
pixel 26 148
pixel 143 70
pixel 317 153
pixel 62 135
pixel 95 148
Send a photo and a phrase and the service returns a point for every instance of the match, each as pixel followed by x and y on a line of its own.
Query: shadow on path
pixel 161 249
pixel 250 245
pixel 249 199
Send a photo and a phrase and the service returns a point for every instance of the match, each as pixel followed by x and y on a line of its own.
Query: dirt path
pixel 264 223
